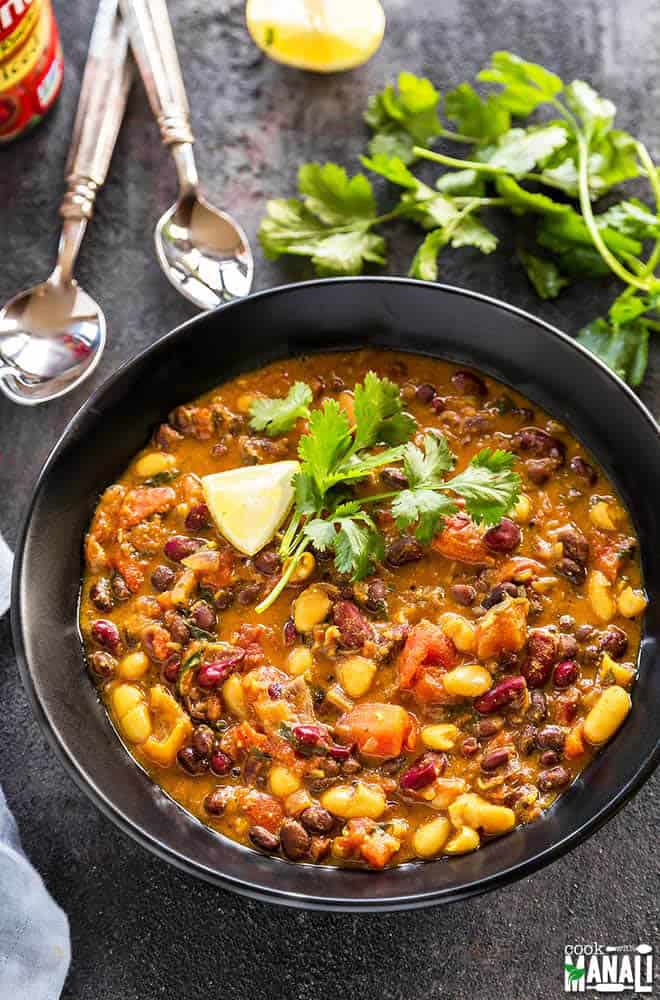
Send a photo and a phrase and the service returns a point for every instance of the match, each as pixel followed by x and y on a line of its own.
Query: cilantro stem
pixel 452 161
pixel 446 133
pixel 587 212
pixel 652 174
pixel 284 579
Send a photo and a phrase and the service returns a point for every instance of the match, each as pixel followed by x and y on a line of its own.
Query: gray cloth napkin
pixel 35 949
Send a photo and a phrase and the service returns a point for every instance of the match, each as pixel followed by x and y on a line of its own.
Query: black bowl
pixel 339 315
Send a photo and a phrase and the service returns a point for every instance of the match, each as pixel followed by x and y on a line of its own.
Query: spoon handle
pixel 154 48
pixel 106 82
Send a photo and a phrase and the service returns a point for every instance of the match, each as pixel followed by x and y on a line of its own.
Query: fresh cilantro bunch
pixel 336 457
pixel 552 171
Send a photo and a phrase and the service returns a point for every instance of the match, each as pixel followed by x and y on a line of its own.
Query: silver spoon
pixel 203 251
pixel 52 336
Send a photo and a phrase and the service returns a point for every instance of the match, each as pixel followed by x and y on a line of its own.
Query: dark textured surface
pixel 140 930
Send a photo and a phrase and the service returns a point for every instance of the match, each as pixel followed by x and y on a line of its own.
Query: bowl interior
pixel 319 316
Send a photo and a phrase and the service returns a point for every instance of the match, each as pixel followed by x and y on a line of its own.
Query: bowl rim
pixel 253 889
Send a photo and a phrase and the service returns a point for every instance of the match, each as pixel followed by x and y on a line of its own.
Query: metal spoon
pixel 203 251
pixel 52 336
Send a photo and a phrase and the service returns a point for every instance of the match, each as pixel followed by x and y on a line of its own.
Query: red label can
pixel 31 66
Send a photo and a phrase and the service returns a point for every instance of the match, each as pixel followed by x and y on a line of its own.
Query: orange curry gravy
pixel 442 701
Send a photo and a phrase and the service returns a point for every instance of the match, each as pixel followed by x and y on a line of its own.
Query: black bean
pixel 575 544
pixel 468 384
pixel 556 777
pixel 102 664
pixel 584 470
pixel 191 762
pixel 267 562
pixel 574 571
pixel 613 641
pixel 527 740
pixel 538 707
pixel 317 819
pixel 425 392
pixel 405 549
pixel 249 594
pixel 499 593
pixel 202 740
pixel 204 616
pixel 551 738
pixel 216 802
pixel 376 594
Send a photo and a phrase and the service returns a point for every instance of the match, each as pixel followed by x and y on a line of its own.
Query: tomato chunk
pixel 461 541
pixel 144 501
pixel 379 729
pixel 427 645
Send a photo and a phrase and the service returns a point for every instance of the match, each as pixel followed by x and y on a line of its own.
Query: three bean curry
pixel 400 627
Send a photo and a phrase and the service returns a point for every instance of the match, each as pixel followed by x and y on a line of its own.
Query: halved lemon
pixel 321 35
pixel 248 505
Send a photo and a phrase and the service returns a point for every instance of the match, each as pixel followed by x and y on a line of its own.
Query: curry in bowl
pixel 363 609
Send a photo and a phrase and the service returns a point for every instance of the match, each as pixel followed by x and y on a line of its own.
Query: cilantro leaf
pixel 427 467
pixel 392 168
pixel 352 535
pixel 525 84
pixel 485 120
pixel 276 416
pixel 425 262
pixel 624 349
pixel 379 415
pixel 631 305
pixel 519 150
pixel 357 467
pixel 466 183
pixel 488 485
pixel 594 112
pixel 345 253
pixel 633 218
pixel 612 160
pixel 334 197
pixel 326 443
pixel 468 231
pixel 557 232
pixel 543 274
pixel 307 496
pixel 423 507
pixel 404 116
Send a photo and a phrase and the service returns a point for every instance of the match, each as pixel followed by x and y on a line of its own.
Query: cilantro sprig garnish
pixel 336 457
pixel 552 169
pixel 276 416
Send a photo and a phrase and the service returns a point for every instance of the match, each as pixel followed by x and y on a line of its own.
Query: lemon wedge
pixel 248 505
pixel 321 35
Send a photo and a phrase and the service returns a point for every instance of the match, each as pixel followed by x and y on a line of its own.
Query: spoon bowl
pixel 203 252
pixel 51 338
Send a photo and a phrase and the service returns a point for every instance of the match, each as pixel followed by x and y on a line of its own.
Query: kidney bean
pixel 542 645
pixel 220 762
pixel 495 758
pixel 500 695
pixel 583 469
pixel 499 593
pixel 223 599
pixel 101 595
pixel 613 641
pixel 535 672
pixel 425 392
pixel 565 674
pixel 468 384
pixel 198 517
pixel 264 839
pixel 575 544
pixel 567 647
pixel 178 627
pixel 290 633
pixel 102 664
pixel 551 738
pixel 267 562
pixel 353 627
pixel 340 753
pixel 527 740
pixel 565 708
pixel 549 758
pixel 539 444
pixel 574 571
pixel 171 667
pixel 216 802
pixel 249 594
pixel 503 537
pixel 162 578
pixel 210 675
pixel 294 839
pixel 191 761
pixel 438 404
pixel 538 707
pixel 421 774
pixel 106 634
pixel 556 777
pixel 469 747
pixel 463 593
pixel 310 735
pixel 204 616
pixel 179 546
pixel 485 728
pixel 402 550
pixel 317 819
